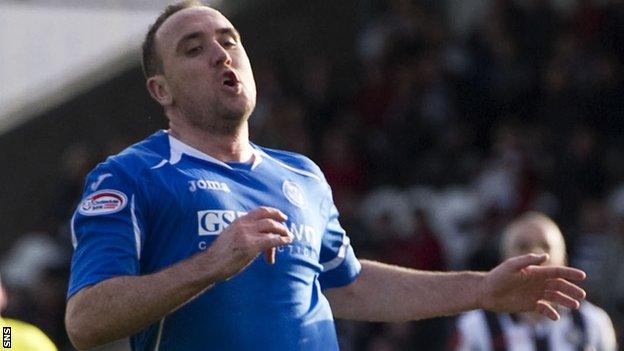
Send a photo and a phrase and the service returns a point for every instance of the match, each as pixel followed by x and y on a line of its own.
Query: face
pixel 535 237
pixel 207 75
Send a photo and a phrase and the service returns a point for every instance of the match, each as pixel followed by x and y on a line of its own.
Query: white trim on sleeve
pixel 159 335
pixel 137 230
pixel 74 239
pixel 342 253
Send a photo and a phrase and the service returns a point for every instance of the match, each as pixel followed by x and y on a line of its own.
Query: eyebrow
pixel 231 31
pixel 186 38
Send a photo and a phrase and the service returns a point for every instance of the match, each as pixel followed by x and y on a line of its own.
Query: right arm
pixel 121 306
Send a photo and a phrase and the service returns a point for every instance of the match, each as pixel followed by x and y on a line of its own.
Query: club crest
pixel 294 193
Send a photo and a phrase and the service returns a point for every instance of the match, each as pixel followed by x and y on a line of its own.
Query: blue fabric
pixel 159 202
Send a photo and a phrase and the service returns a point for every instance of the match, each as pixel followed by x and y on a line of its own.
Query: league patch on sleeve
pixel 102 202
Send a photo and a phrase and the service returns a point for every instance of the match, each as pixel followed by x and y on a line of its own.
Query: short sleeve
pixel 106 228
pixel 340 265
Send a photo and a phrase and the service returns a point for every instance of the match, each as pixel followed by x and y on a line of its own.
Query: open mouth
pixel 229 79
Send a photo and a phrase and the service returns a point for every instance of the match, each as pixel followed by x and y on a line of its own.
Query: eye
pixel 228 44
pixel 523 246
pixel 194 51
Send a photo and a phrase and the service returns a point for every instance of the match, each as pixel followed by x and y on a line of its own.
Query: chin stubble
pixel 227 123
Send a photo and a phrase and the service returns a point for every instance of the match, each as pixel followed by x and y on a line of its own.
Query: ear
pixel 159 90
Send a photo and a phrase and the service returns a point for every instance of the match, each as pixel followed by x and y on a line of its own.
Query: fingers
pixel 271 226
pixel 567 273
pixel 520 262
pixel 269 255
pixel 567 288
pixel 545 309
pixel 267 225
pixel 267 212
pixel 561 299
pixel 267 221
pixel 270 240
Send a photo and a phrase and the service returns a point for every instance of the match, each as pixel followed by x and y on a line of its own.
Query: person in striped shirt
pixel 586 328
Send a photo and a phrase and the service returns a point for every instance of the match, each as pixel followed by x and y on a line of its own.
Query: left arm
pixel 391 294
pixel 386 293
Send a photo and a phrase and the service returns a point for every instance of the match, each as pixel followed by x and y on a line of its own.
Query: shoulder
pixel 595 314
pixel 136 158
pixel 293 161
pixel 142 155
pixel 599 326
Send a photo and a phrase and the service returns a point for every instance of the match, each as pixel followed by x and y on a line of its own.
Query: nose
pixel 220 55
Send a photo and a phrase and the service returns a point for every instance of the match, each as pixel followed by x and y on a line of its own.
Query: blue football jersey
pixel 161 201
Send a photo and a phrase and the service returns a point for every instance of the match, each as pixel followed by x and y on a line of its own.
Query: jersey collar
pixel 177 148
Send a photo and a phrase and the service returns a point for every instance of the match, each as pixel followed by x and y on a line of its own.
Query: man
pixel 21 336
pixel 168 233
pixel 588 328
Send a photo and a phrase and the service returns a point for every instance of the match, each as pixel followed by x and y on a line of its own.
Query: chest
pixel 194 205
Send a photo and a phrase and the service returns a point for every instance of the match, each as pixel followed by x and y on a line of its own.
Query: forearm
pixel 122 306
pixel 391 294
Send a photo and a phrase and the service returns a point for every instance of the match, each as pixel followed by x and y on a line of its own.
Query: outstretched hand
pixel 520 284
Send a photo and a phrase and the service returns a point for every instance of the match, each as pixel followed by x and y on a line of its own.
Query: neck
pixel 231 147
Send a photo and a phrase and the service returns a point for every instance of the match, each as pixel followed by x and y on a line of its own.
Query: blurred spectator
pixel 76 161
pixel 591 243
pixel 588 328
pixel 23 336
pixel 36 270
pixel 421 249
pixel 25 264
pixel 342 165
pixel 613 291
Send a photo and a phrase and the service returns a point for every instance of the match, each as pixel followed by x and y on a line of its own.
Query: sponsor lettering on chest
pixel 206 184
pixel 213 222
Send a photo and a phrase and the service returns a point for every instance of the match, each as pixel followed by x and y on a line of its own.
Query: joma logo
pixel 205 184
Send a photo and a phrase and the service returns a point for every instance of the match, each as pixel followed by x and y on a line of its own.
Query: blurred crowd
pixel 442 131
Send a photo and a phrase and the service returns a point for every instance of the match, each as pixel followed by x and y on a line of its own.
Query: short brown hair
pixel 152 63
